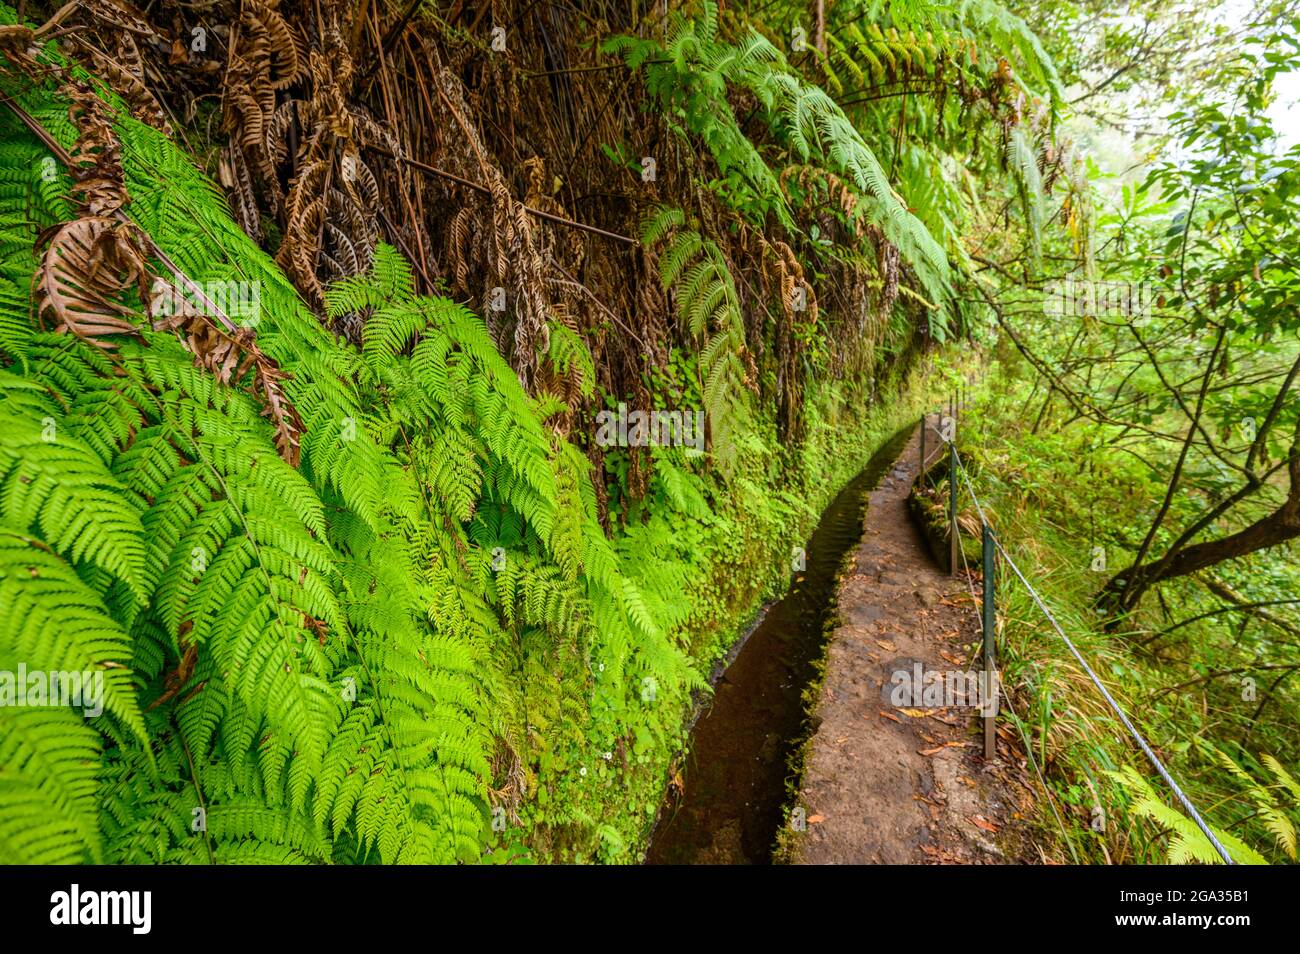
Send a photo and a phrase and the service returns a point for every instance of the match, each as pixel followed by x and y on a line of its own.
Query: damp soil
pixel 734 780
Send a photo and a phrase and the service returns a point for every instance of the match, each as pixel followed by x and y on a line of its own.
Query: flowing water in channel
pixel 740 749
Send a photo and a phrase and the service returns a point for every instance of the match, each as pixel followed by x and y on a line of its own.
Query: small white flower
pixel 608 755
pixel 583 770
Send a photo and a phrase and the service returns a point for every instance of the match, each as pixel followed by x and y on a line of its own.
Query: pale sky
pixel 1285 112
pixel 1119 152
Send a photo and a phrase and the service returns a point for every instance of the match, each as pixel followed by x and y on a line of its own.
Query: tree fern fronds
pixel 684 247
pixel 48 807
pixel 569 355
pixel 54 622
pixel 1272 816
pixel 1188 843
pixel 709 307
pixel 990 19
pixel 56 486
pixel 1284 778
pixel 388 281
pixel 1022 161
pixel 656 226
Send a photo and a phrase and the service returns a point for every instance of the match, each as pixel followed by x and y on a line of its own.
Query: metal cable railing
pixel 991 542
pixel 1029 748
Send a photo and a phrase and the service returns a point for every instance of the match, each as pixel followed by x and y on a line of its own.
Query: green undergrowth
pixel 419 644
pixel 1065 503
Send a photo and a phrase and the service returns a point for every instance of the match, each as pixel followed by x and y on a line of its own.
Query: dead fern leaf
pixel 229 355
pixel 87 267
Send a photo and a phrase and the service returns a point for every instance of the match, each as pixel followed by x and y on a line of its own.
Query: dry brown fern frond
pixel 124 18
pixel 19 47
pixel 329 211
pixel 99 186
pixel 299 253
pixel 108 44
pixel 281 46
pixel 517 248
pixel 230 354
pixel 234 175
pixel 87 266
pixel 90 263
pixel 126 83
pixel 460 246
pixel 838 193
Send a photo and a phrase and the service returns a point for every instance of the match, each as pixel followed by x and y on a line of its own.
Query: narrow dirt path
pixel 890 784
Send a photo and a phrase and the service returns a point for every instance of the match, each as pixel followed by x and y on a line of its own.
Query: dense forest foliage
pixel 403 405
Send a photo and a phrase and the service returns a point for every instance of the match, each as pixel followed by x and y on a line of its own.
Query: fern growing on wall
pixel 354 602
pixel 693 69
pixel 306 664
pixel 709 308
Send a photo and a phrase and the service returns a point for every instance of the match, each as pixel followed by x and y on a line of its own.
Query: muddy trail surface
pixel 733 784
pixel 888 779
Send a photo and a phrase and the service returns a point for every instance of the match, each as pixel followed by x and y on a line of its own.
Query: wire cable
pixel 1110 700
pixel 1029 747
